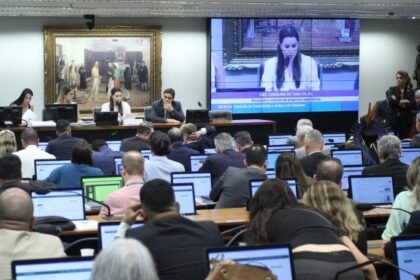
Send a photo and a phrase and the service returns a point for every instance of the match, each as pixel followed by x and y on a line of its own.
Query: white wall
pixel 386 46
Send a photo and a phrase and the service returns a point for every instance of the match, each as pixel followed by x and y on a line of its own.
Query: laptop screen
pixel 276 257
pixel 272 157
pixel 407 255
pixel 270 173
pixel 184 195
pixel 68 203
pixel 42 145
pixel 99 187
pixel 371 189
pixel 281 148
pixel 146 153
pixel 114 145
pixel 197 161
pixel 43 167
pixel 406 144
pixel 293 185
pixel 52 269
pixel 254 185
pixel 349 171
pixel 118 164
pixel 334 138
pixel 409 154
pixel 201 181
pixel 108 230
pixel 210 151
pixel 348 157
pixel 278 139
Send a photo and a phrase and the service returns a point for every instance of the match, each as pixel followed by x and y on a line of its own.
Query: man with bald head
pixel 16 239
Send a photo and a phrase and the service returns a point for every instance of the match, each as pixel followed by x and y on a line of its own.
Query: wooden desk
pixel 377 213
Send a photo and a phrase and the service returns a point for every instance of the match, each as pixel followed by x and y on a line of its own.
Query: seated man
pixel 294 140
pixel 232 188
pixel 16 239
pixel 167 109
pixel 103 156
pixel 179 151
pixel 132 174
pixel 243 141
pixel 10 169
pixel 138 142
pixel 389 152
pixel 62 146
pixel 177 244
pixel 300 136
pixel 189 136
pixel 314 144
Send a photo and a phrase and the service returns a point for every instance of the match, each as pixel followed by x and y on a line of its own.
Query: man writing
pixel 167 110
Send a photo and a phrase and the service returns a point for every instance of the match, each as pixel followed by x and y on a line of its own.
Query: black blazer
pixel 310 163
pixel 158 113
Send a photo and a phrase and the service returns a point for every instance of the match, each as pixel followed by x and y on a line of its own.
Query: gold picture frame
pixel 70 53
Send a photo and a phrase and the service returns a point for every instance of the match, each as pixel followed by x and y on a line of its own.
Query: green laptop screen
pixel 99 188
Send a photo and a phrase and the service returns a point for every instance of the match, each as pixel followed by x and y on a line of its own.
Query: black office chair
pixel 147 112
pixel 74 248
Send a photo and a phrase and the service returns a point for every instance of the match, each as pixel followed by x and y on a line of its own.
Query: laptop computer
pixel 197 116
pixel 277 257
pixel 184 195
pixel 99 187
pixel 348 171
pixel 280 148
pixel 118 164
pixel 374 189
pixel 108 230
pixel 255 184
pixel 348 157
pixel 334 138
pixel 42 145
pixel 197 161
pixel 275 140
pixel 209 151
pixel 406 255
pixel 43 167
pixel 146 153
pixel 406 144
pixel 272 157
pixel 409 154
pixel 201 181
pixel 114 145
pixel 270 173
pixel 52 269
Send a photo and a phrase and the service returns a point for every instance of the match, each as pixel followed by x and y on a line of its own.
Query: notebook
pixel 409 154
pixel 377 190
pixel 43 167
pixel 201 180
pixel 348 171
pixel 99 187
pixel 114 145
pixel 270 173
pixel 184 195
pixel 197 116
pixel 334 138
pixel 348 157
pixel 255 184
pixel 407 255
pixel 280 148
pixel 277 257
pixel 275 140
pixel 108 230
pixel 197 161
pixel 52 269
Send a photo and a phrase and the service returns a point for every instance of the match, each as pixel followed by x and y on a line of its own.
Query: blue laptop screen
pixel 408 257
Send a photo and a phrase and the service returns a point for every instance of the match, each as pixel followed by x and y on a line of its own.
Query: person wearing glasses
pixel 167 110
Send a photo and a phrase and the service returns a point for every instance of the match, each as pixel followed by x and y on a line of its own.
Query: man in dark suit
pixel 176 243
pixel 313 143
pixel 190 137
pixel 243 141
pixel 226 156
pixel 62 146
pixel 389 152
pixel 138 142
pixel 179 151
pixel 232 188
pixel 167 110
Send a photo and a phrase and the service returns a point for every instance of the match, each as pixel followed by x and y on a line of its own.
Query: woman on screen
pixel 116 104
pixel 24 101
pixel 290 70
pixel 66 96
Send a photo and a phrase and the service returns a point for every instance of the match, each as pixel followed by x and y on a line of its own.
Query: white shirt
pixel 125 106
pixel 309 79
pixel 28 156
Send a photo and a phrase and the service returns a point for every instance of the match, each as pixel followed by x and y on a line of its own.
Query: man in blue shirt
pixel 103 156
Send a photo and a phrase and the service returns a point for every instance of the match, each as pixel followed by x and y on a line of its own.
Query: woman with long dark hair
pixel 24 101
pixel 290 69
pixel 116 104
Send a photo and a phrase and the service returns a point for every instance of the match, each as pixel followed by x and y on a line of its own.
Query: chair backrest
pixel 220 116
pixel 85 243
pixel 147 112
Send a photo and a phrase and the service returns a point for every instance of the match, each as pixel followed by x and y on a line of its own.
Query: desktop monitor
pixel 105 118
pixel 10 116
pixel 99 187
pixel 55 112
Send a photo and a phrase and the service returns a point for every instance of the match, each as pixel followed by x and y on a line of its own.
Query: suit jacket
pixel 158 113
pixel 133 144
pixel 181 153
pixel 232 188
pixel 400 118
pixel 62 146
pixel 177 245
pixel 310 163
pixel 218 163
pixel 393 167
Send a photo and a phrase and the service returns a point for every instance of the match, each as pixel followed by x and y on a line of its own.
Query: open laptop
pixel 406 144
pixel 184 195
pixel 409 154
pixel 42 145
pixel 114 145
pixel 270 173
pixel 277 257
pixel 108 230
pixel 197 161
pixel 43 167
pixel 374 189
pixel 334 138
pixel 272 157
pixel 348 157
pixel 146 153
pixel 280 148
pixel 209 151
pixel 53 269
pixel 201 180
pixel 99 187
pixel 275 140
pixel 350 170
pixel 197 116
pixel 406 255
pixel 118 164
pixel 255 184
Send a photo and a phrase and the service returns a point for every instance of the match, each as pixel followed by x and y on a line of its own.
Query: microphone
pixel 199 104
pixel 108 216
pixel 370 206
pixel 395 267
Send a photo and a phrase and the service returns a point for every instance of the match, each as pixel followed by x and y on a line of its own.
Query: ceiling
pixel 213 8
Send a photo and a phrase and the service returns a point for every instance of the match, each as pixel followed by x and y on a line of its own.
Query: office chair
pixel 147 112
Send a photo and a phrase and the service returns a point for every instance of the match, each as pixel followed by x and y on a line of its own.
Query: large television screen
pixel 284 65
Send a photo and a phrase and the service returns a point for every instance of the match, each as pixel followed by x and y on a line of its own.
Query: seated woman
pixel 318 250
pixel 288 166
pixel 24 101
pixel 68 175
pixel 407 200
pixel 116 104
pixel 66 96
pixel 8 143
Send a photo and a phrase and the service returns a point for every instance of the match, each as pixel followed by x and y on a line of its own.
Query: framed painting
pixel 92 62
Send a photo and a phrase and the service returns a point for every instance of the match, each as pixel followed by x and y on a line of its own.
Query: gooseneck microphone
pixel 108 216
pixel 370 206
pixel 199 104
pixel 353 267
